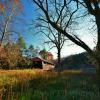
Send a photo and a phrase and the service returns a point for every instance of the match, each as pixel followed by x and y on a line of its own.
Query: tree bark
pixel 2 37
pixel 59 51
pixel 59 60
pixel 98 73
pixel 98 31
pixel 97 18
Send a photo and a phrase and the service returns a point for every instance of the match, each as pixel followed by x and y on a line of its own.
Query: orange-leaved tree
pixel 8 11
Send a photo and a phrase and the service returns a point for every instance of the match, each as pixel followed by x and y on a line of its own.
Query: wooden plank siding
pixel 46 65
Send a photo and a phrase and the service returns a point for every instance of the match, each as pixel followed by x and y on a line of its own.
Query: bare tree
pixel 8 10
pixel 93 8
pixel 55 37
pixel 56 40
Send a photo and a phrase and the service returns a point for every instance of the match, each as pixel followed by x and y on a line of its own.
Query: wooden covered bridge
pixel 42 64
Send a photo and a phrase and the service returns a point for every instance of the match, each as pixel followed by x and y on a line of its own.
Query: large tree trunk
pixel 59 52
pixel 58 64
pixel 97 17
pixel 59 59
pixel 98 31
pixel 98 72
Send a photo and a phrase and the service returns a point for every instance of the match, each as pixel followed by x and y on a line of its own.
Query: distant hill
pixel 78 61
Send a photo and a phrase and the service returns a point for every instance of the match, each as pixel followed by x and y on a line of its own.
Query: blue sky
pixel 28 32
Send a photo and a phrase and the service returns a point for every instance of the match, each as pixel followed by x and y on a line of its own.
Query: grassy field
pixel 42 85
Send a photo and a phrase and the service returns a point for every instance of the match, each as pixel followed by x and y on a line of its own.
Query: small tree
pixel 21 43
pixel 31 47
pixel 43 54
pixel 3 58
pixel 10 55
pixel 13 55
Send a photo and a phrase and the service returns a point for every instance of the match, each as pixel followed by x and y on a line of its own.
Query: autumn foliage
pixel 10 3
pixel 9 56
pixel 1 7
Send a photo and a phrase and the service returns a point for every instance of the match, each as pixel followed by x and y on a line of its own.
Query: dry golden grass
pixel 34 83
pixel 17 75
pixel 11 77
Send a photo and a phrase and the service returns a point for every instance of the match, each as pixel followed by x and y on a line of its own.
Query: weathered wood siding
pixel 48 66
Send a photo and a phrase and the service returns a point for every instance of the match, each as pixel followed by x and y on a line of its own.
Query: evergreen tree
pixel 31 47
pixel 21 43
pixel 43 53
pixel 31 51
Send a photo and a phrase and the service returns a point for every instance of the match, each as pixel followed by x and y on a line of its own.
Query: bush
pixel 24 63
pixel 4 63
pixel 11 57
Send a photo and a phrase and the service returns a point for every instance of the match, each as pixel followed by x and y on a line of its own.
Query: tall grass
pixel 41 85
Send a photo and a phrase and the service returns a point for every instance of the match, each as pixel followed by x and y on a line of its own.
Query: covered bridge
pixel 42 64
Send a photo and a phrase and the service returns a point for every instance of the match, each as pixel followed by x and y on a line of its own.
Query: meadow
pixel 44 85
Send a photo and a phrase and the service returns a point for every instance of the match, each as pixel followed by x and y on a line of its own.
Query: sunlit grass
pixel 44 85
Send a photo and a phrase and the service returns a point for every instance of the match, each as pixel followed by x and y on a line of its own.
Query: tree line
pixel 17 55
